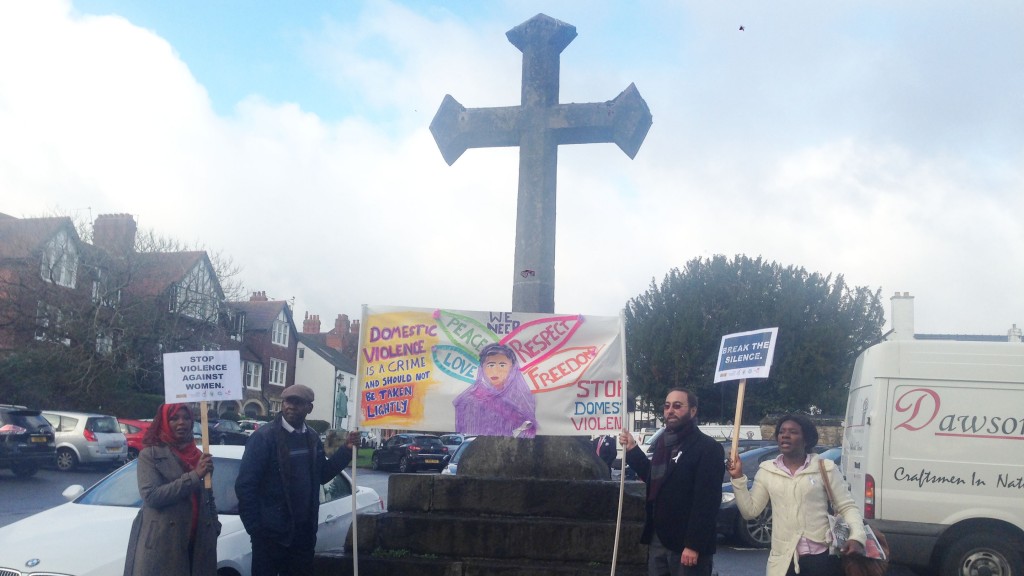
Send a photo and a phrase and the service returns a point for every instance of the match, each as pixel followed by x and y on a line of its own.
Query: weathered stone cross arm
pixel 538 126
pixel 624 120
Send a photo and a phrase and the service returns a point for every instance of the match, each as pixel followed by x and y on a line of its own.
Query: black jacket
pixel 685 513
pixel 263 482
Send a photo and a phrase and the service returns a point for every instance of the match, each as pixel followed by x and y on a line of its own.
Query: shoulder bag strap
pixel 828 485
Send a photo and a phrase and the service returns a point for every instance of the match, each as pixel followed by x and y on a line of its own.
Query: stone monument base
pixel 518 507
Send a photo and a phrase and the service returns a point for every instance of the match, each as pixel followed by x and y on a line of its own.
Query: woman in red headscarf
pixel 176 529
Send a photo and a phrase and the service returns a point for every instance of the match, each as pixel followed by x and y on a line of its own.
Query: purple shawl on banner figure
pixel 499 402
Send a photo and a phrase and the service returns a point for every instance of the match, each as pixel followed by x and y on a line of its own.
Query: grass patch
pixel 363 457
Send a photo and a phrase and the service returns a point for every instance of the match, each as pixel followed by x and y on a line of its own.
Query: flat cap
pixel 298 391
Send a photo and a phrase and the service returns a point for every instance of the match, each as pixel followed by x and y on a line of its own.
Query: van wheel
pixel 981 553
pixel 66 460
pixel 756 532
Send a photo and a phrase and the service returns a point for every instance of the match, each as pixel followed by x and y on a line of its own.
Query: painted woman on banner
pixel 499 402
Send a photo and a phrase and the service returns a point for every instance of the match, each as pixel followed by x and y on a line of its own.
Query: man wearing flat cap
pixel 278 486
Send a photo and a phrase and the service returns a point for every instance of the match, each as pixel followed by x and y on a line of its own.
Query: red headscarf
pixel 159 433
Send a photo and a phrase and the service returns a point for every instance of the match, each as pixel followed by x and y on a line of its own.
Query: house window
pixel 104 344
pixel 302 352
pixel 279 334
pixel 253 375
pixel 50 324
pixel 101 293
pixel 239 327
pixel 278 371
pixel 60 261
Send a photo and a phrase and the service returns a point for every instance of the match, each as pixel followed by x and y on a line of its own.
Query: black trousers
pixel 270 558
pixel 823 564
pixel 664 562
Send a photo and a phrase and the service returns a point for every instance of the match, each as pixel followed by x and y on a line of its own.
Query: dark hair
pixel 807 427
pixel 691 398
pixel 495 348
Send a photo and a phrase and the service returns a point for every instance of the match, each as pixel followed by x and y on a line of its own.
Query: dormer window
pixel 60 261
pixel 279 332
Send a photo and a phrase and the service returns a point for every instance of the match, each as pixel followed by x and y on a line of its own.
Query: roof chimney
pixel 902 316
pixel 311 325
pixel 341 324
pixel 258 297
pixel 115 234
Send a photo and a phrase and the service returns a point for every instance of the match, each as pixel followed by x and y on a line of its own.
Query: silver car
pixel 84 438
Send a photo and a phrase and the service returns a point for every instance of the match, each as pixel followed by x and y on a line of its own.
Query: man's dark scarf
pixel 665 449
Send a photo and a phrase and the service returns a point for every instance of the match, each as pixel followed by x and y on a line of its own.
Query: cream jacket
pixel 799 508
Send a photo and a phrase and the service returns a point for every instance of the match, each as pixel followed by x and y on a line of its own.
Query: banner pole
pixel 626 425
pixel 205 427
pixel 738 419
pixel 355 447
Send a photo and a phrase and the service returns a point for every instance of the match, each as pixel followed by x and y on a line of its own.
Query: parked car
pixel 86 438
pixel 89 535
pixel 250 426
pixel 26 440
pixel 755 532
pixel 452 441
pixel 133 431
pixel 410 452
pixel 452 467
pixel 222 432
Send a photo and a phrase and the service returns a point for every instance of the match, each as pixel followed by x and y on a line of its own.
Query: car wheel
pixel 132 454
pixel 66 460
pixel 222 441
pixel 24 469
pixel 375 462
pixel 982 553
pixel 756 532
pixel 404 465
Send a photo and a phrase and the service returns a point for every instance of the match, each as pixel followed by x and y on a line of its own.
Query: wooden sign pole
pixel 738 420
pixel 205 419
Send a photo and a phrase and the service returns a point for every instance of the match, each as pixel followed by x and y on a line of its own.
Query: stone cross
pixel 538 125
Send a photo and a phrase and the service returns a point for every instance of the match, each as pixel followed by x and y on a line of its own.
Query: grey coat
pixel 160 534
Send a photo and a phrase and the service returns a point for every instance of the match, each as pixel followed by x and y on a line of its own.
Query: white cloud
pixel 784 148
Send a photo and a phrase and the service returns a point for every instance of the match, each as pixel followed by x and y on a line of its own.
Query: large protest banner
pixel 416 364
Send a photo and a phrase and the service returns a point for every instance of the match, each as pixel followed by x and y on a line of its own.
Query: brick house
pixel 268 347
pixel 39 279
pixel 114 310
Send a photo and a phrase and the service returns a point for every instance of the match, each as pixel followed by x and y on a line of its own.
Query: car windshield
pixel 102 425
pixel 122 487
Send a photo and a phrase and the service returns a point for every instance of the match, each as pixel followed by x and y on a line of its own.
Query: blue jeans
pixel 664 562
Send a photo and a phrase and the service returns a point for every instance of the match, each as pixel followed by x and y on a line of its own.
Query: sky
pixel 881 140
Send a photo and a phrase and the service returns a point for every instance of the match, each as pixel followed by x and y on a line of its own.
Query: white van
pixel 934 452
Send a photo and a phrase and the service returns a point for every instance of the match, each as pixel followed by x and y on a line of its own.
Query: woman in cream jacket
pixel 793 484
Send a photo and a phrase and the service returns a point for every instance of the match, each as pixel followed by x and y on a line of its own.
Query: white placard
pixel 205 375
pixel 746 355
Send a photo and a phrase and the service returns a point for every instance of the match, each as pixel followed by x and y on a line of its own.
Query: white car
pixel 89 535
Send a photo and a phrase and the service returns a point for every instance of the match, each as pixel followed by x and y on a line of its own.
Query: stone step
pixel 394 564
pixel 580 501
pixel 499 537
